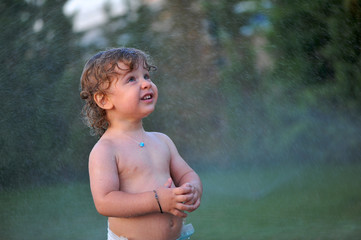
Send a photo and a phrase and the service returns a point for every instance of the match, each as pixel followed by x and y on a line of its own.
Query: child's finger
pixel 184 207
pixel 185 198
pixel 182 190
pixel 168 183
pixel 186 185
pixel 197 204
pixel 179 213
pixel 191 201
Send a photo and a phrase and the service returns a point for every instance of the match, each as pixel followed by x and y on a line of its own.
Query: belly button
pixel 171 223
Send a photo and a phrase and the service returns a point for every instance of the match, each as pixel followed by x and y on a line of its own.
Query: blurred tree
pixel 315 83
pixel 37 44
pixel 317 46
pixel 344 51
pixel 239 73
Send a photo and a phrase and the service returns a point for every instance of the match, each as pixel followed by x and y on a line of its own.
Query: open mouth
pixel 147 96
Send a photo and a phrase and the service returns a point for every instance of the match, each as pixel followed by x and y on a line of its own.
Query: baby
pixel 137 178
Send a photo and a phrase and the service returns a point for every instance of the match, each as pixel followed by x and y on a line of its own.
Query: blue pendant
pixel 141 144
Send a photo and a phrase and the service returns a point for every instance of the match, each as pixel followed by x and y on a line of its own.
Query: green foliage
pixel 313 87
pixel 37 44
pixel 317 45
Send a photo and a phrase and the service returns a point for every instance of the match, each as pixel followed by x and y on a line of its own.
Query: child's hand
pixel 195 200
pixel 173 200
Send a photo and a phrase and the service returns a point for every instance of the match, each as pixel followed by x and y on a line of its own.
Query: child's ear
pixel 102 101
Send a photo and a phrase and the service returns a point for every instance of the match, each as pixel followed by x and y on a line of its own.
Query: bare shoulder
pixel 167 140
pixel 103 149
pixel 160 136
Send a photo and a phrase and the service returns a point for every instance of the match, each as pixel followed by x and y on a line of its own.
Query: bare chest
pixel 143 168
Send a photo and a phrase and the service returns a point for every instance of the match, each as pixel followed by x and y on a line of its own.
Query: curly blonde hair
pixel 96 77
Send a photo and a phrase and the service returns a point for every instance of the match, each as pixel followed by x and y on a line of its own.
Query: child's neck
pixel 132 131
pixel 126 127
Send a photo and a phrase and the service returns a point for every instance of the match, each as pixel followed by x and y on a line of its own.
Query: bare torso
pixel 144 169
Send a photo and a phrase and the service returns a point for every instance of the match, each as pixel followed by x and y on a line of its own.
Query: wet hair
pixel 96 77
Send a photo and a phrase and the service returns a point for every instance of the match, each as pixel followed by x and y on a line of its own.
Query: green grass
pixel 313 202
pixel 293 202
pixel 56 212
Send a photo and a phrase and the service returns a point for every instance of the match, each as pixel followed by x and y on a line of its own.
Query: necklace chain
pixel 141 144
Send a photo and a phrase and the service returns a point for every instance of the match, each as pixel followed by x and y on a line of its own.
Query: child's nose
pixel 146 83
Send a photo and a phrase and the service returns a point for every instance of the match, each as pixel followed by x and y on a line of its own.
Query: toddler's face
pixel 132 93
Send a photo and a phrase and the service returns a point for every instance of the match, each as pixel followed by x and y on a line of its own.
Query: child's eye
pixel 131 79
pixel 146 76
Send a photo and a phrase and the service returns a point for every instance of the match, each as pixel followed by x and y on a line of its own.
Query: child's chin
pixel 147 113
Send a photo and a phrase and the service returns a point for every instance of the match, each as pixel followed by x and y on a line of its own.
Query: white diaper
pixel 113 236
pixel 187 231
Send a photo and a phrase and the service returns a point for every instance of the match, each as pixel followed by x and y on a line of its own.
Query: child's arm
pixel 183 175
pixel 111 202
